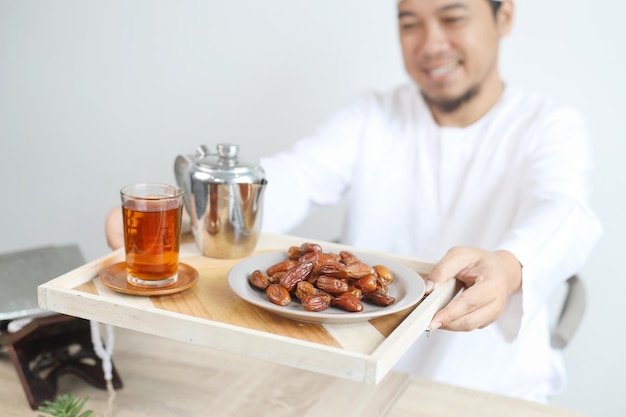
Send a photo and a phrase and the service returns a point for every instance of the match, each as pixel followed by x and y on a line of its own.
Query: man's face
pixel 450 48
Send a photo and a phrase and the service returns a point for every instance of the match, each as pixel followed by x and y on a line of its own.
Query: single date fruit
pixel 278 294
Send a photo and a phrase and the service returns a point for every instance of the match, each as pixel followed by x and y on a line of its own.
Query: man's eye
pixel 450 20
pixel 409 25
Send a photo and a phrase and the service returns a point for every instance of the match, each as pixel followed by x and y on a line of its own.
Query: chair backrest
pixel 571 313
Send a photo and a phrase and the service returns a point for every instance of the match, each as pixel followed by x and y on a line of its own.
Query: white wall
pixel 98 94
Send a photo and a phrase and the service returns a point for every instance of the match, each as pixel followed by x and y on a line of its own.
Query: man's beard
pixel 450 105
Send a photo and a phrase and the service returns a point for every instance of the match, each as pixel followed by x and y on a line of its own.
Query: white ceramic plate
pixel 407 287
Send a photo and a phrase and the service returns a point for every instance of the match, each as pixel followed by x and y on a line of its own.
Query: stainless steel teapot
pixel 224 198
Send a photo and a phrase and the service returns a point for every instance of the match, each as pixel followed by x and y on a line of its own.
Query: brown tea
pixel 152 239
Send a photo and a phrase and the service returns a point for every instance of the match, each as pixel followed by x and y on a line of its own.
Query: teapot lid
pixel 225 165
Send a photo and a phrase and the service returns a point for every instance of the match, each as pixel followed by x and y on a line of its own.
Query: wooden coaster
pixel 114 277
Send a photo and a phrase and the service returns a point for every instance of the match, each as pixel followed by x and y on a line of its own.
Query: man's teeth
pixel 442 70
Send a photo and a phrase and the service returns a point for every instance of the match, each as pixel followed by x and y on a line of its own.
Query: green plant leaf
pixel 65 406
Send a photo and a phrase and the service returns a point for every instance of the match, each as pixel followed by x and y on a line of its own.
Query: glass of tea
pixel 152 214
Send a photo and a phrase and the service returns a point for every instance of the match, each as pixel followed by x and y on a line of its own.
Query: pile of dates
pixel 323 279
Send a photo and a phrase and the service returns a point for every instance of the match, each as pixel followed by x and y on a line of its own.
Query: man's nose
pixel 435 40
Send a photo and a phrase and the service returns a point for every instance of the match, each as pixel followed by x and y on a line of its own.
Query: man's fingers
pixel 114 228
pixel 453 263
pixel 467 312
pixel 477 319
pixel 489 277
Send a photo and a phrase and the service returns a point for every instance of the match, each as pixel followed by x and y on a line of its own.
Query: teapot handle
pixel 182 166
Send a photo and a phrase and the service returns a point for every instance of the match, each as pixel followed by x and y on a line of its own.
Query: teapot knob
pixel 227 151
pixel 227 154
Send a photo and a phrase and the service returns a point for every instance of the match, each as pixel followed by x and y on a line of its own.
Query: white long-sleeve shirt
pixel 517 179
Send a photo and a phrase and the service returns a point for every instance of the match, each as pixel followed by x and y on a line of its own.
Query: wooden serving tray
pixel 211 315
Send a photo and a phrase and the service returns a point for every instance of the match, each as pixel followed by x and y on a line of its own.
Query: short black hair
pixel 495 5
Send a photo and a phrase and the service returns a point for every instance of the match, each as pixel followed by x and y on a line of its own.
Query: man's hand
pixel 113 228
pixel 489 278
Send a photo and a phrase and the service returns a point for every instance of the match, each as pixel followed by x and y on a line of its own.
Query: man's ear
pixel 504 17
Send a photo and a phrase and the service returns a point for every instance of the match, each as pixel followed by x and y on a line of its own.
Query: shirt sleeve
pixel 555 229
pixel 315 171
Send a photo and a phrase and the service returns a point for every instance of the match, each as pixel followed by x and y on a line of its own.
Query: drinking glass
pixel 152 214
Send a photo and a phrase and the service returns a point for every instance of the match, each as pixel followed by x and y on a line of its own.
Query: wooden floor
pixel 165 378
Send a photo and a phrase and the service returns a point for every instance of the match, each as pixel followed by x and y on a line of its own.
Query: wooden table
pixel 211 315
pixel 167 378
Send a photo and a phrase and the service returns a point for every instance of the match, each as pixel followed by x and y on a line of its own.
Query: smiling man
pixel 450 49
pixel 461 167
